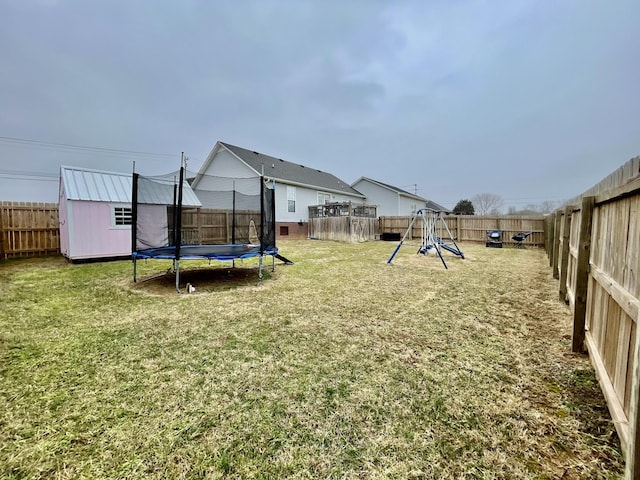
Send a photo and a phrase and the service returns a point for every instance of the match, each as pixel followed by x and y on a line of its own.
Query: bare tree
pixel 549 206
pixel 545 207
pixel 487 203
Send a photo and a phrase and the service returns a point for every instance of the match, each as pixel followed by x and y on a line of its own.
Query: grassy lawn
pixel 339 366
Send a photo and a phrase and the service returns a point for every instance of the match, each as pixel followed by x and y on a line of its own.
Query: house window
pixel 121 216
pixel 324 198
pixel 291 199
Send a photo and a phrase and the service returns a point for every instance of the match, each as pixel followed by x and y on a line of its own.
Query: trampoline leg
pixel 260 267
pixel 135 278
pixel 177 267
pixel 273 263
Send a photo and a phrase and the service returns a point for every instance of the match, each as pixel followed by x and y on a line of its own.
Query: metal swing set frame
pixel 429 239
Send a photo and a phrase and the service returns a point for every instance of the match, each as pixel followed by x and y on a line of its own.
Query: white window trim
pixel 112 213
pixel 291 196
pixel 326 198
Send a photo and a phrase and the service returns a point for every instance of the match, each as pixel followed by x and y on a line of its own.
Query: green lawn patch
pixel 339 366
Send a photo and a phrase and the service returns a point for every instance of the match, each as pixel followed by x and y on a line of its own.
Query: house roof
pixel 289 172
pixel 436 206
pixel 101 186
pixel 390 187
pixel 429 203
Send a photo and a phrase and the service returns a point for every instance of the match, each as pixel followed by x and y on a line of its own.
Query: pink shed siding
pixel 93 235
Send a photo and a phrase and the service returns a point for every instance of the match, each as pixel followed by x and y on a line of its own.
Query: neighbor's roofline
pixel 313 187
pixel 214 151
pixel 391 188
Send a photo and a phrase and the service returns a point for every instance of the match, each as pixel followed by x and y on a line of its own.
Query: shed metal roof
pixel 96 185
pixel 101 186
pixel 283 170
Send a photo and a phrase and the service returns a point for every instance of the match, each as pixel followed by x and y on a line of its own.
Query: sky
pixel 534 101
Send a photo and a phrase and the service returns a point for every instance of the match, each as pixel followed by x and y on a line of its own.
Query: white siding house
pixel 296 186
pixel 392 201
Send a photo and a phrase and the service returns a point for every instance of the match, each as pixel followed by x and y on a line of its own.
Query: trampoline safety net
pixel 187 209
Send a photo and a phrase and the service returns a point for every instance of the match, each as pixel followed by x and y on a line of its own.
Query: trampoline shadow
pixel 203 280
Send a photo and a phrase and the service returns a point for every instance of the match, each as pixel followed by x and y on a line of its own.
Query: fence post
pixel 633 446
pixel 546 236
pixel 549 223
pixel 556 243
pixel 564 261
pixel 458 228
pixel 1 233
pixel 582 273
pixel 227 227
pixel 550 226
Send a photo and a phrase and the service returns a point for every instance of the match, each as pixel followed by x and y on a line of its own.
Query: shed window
pixel 121 216
pixel 291 199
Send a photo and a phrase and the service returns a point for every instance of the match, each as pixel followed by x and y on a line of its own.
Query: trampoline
pixel 207 252
pixel 194 220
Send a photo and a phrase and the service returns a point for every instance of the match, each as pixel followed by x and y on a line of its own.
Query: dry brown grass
pixel 339 366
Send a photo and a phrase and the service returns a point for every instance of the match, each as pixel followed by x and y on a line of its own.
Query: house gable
pixel 364 180
pixel 392 200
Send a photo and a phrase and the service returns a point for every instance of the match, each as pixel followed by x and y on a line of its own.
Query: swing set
pixel 431 220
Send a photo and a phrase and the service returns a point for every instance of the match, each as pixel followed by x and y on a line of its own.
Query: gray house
pixel 392 201
pixel 296 186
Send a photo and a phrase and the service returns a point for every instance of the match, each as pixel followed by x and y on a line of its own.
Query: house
pixel 296 186
pixel 393 201
pixel 95 211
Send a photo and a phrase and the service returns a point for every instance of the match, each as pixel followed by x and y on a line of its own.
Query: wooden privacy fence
pixel 594 250
pixel 473 228
pixel 28 229
pixel 343 229
pixel 203 226
pixel 343 222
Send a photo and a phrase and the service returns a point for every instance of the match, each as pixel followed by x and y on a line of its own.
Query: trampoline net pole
pixel 134 211
pixel 233 215
pixel 262 219
pixel 179 215
pixel 134 221
pixel 175 212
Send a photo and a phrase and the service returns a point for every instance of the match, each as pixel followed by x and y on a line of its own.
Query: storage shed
pixel 95 211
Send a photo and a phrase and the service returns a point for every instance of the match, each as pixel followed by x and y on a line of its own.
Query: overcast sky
pixel 531 100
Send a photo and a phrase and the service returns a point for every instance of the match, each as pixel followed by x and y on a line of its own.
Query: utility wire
pixel 28 179
pixel 26 173
pixel 69 146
